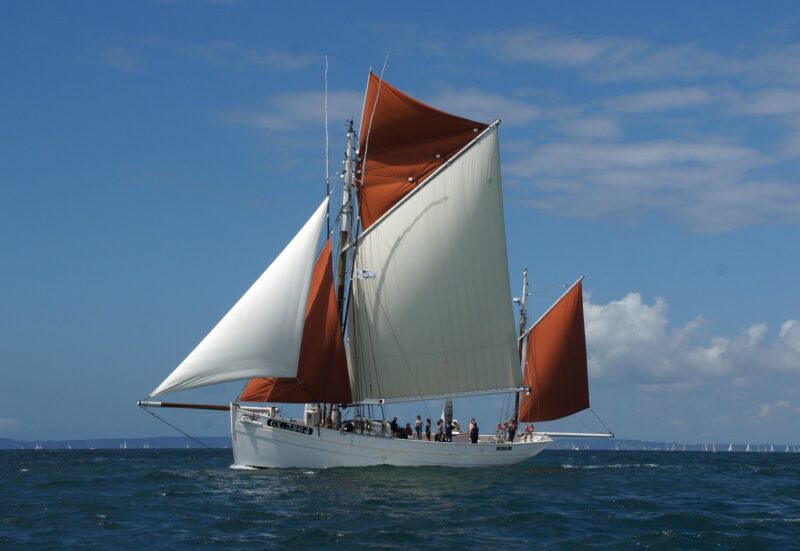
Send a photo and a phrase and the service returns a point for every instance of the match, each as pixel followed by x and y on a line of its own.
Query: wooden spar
pixel 578 434
pixel 146 404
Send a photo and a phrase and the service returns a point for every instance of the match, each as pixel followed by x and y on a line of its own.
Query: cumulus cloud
pixel 631 340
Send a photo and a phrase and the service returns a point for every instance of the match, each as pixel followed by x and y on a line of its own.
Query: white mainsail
pixel 435 316
pixel 260 336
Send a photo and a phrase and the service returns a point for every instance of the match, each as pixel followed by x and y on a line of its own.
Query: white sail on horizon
pixel 260 335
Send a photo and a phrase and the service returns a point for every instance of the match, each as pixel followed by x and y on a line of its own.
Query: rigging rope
pixel 601 421
pixel 186 434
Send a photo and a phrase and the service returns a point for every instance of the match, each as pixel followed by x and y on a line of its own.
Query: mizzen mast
pixel 523 322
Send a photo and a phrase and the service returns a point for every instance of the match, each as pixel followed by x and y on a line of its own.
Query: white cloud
pixel 661 100
pixel 121 58
pixel 539 45
pixel 627 58
pixel 230 54
pixel 632 341
pixel 771 101
pixel 8 424
pixel 300 111
pixel 706 186
pixel 765 410
pixel 591 127
pixel 485 107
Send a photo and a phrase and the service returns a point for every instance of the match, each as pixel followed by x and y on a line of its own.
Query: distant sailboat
pixel 787 448
pixel 747 449
pixel 38 446
pixel 713 448
pixel 771 448
pixel 730 447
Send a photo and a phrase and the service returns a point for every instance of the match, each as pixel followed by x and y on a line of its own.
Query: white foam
pixel 243 467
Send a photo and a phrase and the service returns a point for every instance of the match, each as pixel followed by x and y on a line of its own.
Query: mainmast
pixel 348 175
pixel 523 322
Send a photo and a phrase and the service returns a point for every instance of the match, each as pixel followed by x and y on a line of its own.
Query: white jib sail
pixel 259 336
pixel 435 316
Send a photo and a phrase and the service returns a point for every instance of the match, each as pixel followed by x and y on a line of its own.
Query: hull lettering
pixel 283 425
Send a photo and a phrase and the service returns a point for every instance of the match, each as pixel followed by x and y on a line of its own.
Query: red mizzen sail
pixel 322 374
pixel 555 362
pixel 404 141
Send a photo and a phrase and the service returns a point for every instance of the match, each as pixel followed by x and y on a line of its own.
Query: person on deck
pixel 428 429
pixel 418 427
pixel 409 434
pixel 448 432
pixel 393 426
pixel 439 430
pixel 473 431
pixel 512 430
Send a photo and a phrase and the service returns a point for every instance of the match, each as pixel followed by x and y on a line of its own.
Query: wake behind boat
pixel 415 305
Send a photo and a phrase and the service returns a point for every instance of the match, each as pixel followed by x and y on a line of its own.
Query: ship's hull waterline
pixel 262 441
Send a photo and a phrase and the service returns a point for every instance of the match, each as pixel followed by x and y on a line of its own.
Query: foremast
pixel 346 219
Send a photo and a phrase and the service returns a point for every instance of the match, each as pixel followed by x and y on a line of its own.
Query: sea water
pixel 193 499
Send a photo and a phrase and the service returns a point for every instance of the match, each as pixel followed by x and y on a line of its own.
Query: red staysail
pixel 408 140
pixel 322 373
pixel 555 362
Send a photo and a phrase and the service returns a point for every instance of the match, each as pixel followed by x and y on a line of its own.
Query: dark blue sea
pixel 192 499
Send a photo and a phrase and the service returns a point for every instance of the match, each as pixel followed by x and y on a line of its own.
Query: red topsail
pixel 408 141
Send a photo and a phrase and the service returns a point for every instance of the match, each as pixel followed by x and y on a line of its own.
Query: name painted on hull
pixel 283 425
pixel 503 448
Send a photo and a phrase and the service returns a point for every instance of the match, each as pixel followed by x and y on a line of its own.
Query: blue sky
pixel 154 157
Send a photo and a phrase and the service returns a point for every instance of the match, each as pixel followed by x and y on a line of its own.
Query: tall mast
pixel 523 321
pixel 347 211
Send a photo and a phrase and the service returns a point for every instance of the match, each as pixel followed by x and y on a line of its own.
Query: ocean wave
pixel 615 466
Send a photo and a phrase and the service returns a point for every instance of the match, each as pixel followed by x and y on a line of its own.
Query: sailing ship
pixel 402 295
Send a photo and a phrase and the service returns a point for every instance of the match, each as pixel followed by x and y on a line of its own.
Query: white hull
pixel 263 441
